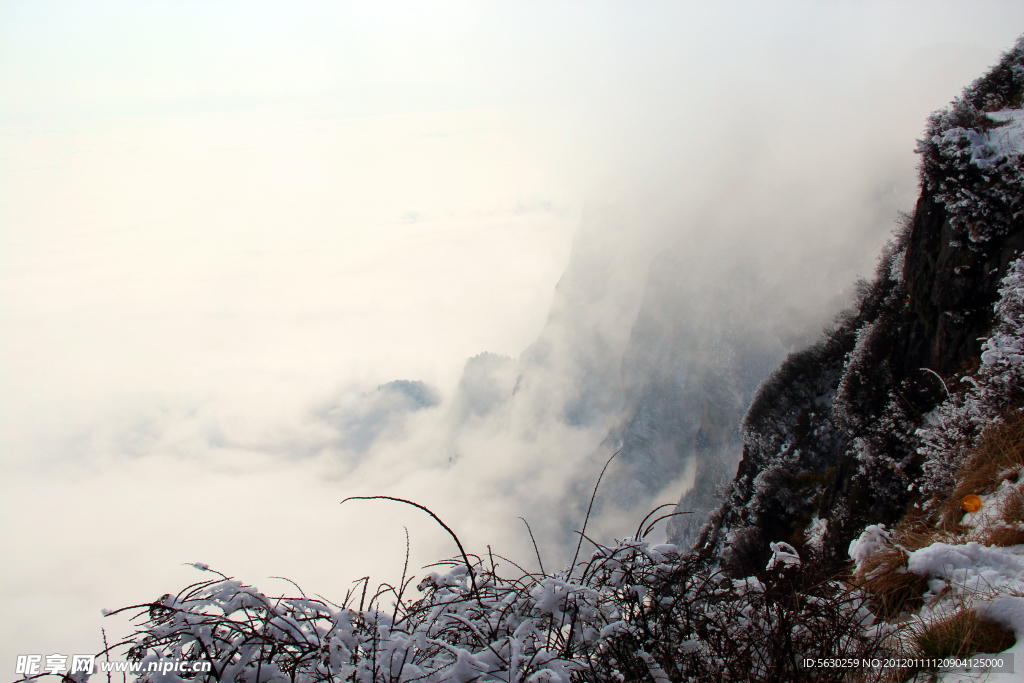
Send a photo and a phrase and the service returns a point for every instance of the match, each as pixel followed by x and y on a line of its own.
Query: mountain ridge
pixel 832 433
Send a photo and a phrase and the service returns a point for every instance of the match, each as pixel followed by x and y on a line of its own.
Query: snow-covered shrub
pixel 630 612
pixel 956 426
pixel 469 625
pixel 874 539
pixel 971 153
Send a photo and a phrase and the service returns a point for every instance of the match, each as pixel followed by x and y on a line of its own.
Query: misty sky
pixel 224 224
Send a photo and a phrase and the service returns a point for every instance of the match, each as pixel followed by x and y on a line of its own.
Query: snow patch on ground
pixel 967 575
pixel 970 568
pixel 990 579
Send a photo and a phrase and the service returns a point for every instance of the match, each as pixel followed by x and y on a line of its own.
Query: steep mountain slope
pixel 697 351
pixel 831 440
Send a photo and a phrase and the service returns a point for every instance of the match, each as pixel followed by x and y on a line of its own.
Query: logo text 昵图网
pixel 58 664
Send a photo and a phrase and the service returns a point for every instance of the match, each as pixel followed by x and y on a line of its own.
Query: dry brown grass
pixel 893 589
pixel 1012 509
pixel 916 535
pixel 1002 526
pixel 896 592
pixel 998 457
pixel 958 634
pixel 962 634
pixel 1001 535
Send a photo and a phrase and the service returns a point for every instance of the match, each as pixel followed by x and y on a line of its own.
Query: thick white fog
pixel 256 258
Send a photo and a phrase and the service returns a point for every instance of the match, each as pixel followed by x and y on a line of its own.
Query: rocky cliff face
pixel 830 440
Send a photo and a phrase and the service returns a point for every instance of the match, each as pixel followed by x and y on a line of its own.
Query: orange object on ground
pixel 971 503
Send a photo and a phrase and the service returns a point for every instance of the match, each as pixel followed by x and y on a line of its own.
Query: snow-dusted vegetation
pixel 962 418
pixel 971 153
pixel 632 611
pixel 878 513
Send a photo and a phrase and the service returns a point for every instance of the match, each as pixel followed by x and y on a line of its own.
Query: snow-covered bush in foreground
pixel 631 612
